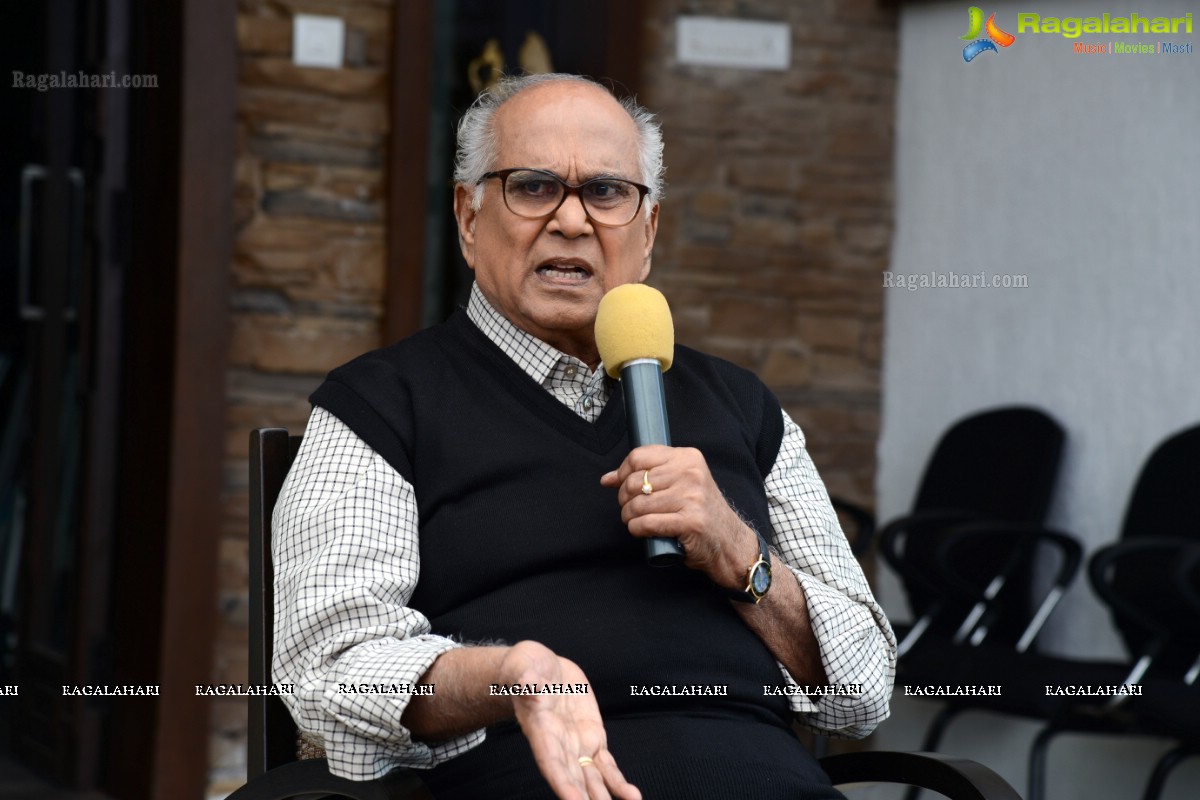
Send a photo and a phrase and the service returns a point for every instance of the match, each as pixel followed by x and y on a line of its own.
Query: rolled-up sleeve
pixel 346 560
pixel 858 648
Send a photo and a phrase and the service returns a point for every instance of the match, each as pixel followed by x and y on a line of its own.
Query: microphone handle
pixel 646 413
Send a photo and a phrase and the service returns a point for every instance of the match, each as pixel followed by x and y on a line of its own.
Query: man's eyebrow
pixel 606 176
pixel 602 174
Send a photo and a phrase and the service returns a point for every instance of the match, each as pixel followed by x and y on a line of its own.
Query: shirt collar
pixel 536 358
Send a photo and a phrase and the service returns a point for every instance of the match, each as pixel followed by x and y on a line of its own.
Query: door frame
pixel 173 405
pixel 413 57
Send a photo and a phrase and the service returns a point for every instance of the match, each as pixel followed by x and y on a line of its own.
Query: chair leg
pixel 1170 760
pixel 1037 762
pixel 933 736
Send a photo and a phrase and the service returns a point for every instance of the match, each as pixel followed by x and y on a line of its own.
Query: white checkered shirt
pixel 346 563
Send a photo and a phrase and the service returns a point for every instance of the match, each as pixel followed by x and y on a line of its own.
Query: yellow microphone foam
pixel 634 321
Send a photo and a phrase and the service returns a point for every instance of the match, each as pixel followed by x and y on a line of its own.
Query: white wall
pixel 1083 173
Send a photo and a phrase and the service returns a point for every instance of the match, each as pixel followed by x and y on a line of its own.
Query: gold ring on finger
pixel 646 487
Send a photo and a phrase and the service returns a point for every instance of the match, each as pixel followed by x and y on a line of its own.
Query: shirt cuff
pixel 373 690
pixel 860 672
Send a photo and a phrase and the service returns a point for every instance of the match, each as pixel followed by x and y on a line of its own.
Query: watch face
pixel 760 579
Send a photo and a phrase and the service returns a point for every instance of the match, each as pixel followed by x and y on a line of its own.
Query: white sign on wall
pixel 318 41
pixel 721 42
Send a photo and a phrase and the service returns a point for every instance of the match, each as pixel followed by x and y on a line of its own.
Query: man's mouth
pixel 565 269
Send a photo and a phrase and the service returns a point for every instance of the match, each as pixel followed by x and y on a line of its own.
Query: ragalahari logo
pixel 995 36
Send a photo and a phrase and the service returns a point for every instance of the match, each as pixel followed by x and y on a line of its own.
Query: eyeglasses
pixel 536 194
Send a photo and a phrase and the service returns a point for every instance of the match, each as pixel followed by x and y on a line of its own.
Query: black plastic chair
pixel 1173 712
pixel 998 466
pixel 1024 675
pixel 988 484
pixel 1131 577
pixel 862 522
pixel 1168 707
pixel 274 773
pixel 970 658
pixel 272 769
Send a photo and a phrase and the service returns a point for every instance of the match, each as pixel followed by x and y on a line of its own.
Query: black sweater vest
pixel 518 540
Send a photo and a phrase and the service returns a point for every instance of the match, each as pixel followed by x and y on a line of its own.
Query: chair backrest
pixel 271 730
pixel 1188 580
pixel 1187 585
pixel 1166 497
pixel 1165 504
pixel 1000 466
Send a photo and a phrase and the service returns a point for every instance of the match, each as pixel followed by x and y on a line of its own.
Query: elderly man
pixel 457 546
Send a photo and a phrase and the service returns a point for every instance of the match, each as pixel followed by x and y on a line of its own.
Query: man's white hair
pixel 477 143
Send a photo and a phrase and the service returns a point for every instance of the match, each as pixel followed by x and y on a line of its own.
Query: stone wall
pixel 778 213
pixel 308 269
pixel 774 232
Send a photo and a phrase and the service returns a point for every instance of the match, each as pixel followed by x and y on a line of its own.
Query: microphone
pixel 636 341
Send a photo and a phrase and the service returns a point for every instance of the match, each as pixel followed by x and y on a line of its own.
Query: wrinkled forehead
pixel 574 129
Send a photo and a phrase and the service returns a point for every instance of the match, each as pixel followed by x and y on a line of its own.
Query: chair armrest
pixel 1187 577
pixel 1024 539
pixel 892 537
pixel 956 778
pixel 893 544
pixel 864 524
pixel 1168 550
pixel 301 779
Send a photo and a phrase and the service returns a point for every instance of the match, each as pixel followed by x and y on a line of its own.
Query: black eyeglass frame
pixel 568 190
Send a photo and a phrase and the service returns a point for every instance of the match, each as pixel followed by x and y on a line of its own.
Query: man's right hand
pixel 561 729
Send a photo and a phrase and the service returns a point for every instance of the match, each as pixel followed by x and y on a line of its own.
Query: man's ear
pixel 464 216
pixel 651 228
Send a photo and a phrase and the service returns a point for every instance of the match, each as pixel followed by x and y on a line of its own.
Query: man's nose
pixel 571 218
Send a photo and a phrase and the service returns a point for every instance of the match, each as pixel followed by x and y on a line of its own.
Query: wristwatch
pixel 758 576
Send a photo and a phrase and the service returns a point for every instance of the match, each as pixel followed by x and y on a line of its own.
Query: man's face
pixel 547 275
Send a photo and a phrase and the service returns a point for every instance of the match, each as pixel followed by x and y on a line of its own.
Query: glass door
pixel 58 315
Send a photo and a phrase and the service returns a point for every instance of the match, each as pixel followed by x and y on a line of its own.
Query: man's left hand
pixel 684 503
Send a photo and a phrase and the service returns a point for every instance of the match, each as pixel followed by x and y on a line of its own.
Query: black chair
pixel 970 658
pixel 1024 675
pixel 1134 580
pixel 996 466
pixel 989 482
pixel 862 522
pixel 274 773
pixel 1173 712
pixel 272 769
pixel 1128 577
